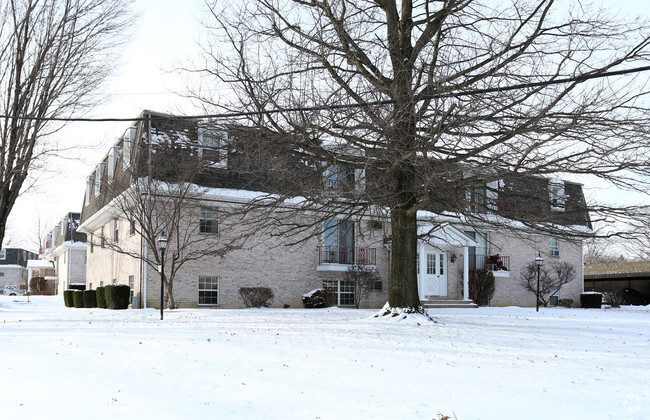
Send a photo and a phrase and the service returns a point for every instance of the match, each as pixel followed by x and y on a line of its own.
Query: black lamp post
pixel 538 261
pixel 162 244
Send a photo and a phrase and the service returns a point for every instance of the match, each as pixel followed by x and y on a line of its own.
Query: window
pixel 113 156
pixel 116 230
pixel 3 254
pixel 477 199
pixel 341 292
pixel 556 194
pixel 2 273
pixel 127 145
pixel 132 227
pixel 554 247
pixel 131 282
pixel 89 187
pixel 208 220
pixel 339 178
pixel 338 241
pixel 212 147
pixel 114 281
pixel 99 173
pixel 376 225
pixel 209 290
pixel 101 284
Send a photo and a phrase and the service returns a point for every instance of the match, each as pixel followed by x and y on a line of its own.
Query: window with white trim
pixel 556 194
pixel 89 187
pixel 341 292
pixel 209 219
pixel 3 254
pixel 127 146
pixel 212 147
pixel 554 247
pixel 209 290
pixel 113 156
pixel 99 173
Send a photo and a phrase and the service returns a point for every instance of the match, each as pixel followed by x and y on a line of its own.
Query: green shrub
pixel 78 298
pixel 315 299
pixel 565 303
pixel 591 299
pixel 256 297
pixel 117 296
pixel 100 297
pixel 68 299
pixel 90 299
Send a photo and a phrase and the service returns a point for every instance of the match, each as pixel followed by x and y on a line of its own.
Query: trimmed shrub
pixel 90 298
pixel 100 297
pixel 591 299
pixel 565 303
pixel 315 299
pixel 78 298
pixel 481 286
pixel 256 297
pixel 117 296
pixel 68 299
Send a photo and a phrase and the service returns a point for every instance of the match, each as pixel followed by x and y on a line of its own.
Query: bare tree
pixel 598 250
pixel 363 279
pixel 53 57
pixel 551 279
pixel 427 100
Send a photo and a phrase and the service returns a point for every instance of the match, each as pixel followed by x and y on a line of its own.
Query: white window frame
pixel 556 194
pixel 3 254
pixel 127 146
pixel 554 247
pixel 89 187
pixel 209 213
pixel 99 173
pixel 113 157
pixel 211 281
pixel 214 141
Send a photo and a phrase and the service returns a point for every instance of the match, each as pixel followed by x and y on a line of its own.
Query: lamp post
pixel 162 244
pixel 538 261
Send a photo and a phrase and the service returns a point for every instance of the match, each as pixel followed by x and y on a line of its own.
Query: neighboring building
pixel 13 266
pixel 617 276
pixel 454 247
pixel 66 249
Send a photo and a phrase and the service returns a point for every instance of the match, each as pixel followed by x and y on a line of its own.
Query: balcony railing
pixel 489 262
pixel 328 254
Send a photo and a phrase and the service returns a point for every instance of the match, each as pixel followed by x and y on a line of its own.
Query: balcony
pixel 339 257
pixel 498 264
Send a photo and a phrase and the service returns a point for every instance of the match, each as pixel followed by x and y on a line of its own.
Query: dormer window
pixel 339 178
pixel 113 156
pixel 89 187
pixel 99 173
pixel 213 148
pixel 556 194
pixel 127 146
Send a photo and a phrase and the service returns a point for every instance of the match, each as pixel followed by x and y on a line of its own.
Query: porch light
pixel 453 258
pixel 538 262
pixel 162 244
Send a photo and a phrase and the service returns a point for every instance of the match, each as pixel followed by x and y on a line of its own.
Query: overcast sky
pixel 165 36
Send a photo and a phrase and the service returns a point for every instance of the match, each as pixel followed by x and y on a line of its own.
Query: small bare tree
pixel 363 279
pixel 551 279
pixel 53 57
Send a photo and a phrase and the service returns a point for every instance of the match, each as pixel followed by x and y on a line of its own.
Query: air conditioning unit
pixel 555 253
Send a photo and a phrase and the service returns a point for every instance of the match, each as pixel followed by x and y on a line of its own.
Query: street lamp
pixel 162 244
pixel 538 261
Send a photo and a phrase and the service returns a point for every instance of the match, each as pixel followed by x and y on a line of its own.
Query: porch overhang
pixel 444 236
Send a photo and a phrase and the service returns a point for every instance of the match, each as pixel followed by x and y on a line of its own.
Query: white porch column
pixel 465 273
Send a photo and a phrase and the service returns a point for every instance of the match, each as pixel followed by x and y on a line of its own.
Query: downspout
pixel 466 273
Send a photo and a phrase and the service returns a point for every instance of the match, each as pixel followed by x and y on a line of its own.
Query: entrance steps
pixel 447 303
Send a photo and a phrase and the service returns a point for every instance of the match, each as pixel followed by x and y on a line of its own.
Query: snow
pixel 485 363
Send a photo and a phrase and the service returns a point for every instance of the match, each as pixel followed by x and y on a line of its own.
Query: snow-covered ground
pixel 486 363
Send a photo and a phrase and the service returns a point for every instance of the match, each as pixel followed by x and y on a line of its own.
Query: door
pixel 432 278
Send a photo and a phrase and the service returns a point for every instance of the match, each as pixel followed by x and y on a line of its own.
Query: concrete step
pixel 448 303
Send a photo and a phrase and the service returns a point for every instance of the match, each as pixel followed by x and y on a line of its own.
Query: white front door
pixel 432 274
